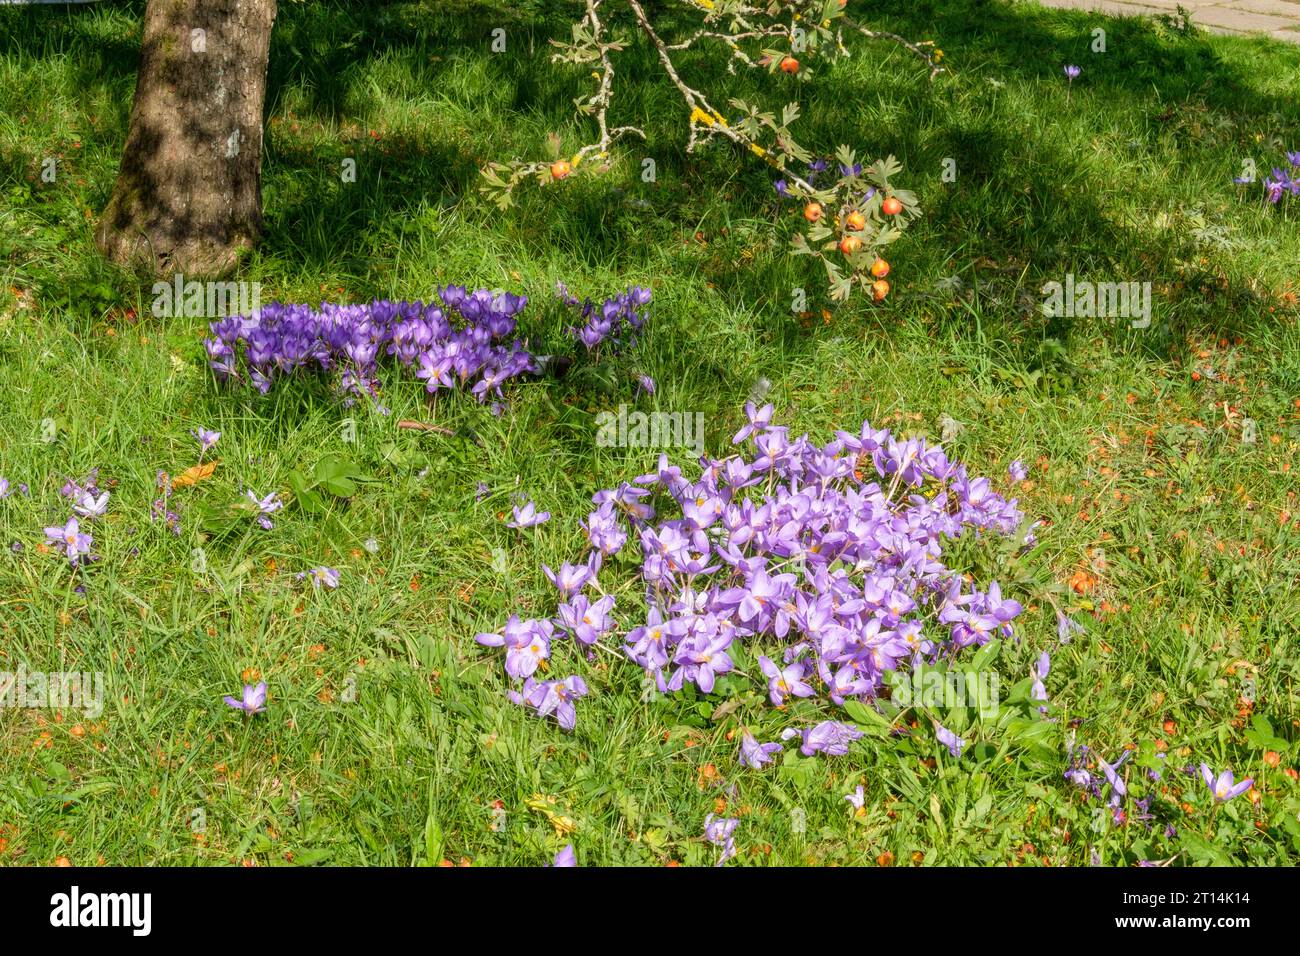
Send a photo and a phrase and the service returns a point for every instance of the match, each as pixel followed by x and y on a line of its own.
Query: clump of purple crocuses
pixel 89 502
pixel 88 499
pixel 824 559
pixel 616 320
pixel 462 340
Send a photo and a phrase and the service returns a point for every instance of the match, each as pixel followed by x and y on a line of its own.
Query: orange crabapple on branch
pixel 848 221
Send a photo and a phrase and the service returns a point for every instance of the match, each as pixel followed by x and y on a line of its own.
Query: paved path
pixel 1279 19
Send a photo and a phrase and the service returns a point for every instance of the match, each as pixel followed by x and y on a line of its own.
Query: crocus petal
pixel 565 857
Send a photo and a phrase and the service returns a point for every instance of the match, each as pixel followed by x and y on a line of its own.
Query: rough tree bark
pixel 188 196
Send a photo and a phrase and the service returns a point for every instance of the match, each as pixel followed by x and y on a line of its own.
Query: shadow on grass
pixel 1019 202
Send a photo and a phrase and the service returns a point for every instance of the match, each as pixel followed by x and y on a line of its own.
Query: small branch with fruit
pixel 867 215
pixel 865 212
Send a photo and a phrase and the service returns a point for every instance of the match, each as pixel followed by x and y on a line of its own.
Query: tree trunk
pixel 188 196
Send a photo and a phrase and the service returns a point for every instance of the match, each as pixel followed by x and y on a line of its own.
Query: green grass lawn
pixel 388 739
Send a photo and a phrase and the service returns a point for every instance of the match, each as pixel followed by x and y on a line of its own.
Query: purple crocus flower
pixel 588 622
pixel 1280 182
pixel 1066 626
pixel 646 383
pixel 648 645
pixel 1039 674
pixel 758 419
pixel 857 799
pixel 604 531
pixel 565 857
pixel 91 506
pixel 527 644
pixel 1072 72
pixel 206 438
pixel 753 754
pixel 571 578
pixel 718 831
pixel 784 681
pixel 949 739
pixel 253 700
pixel 529 695
pixel 829 737
pixel 558 699
pixel 1222 786
pixel 322 577
pixel 73 489
pixel 700 660
pixel 265 506
pixel 1077 773
pixel 528 516
pixel 626 497
pixel 4 489
pixel 1018 471
pixel 761 591
pixel 1118 789
pixel 70 540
